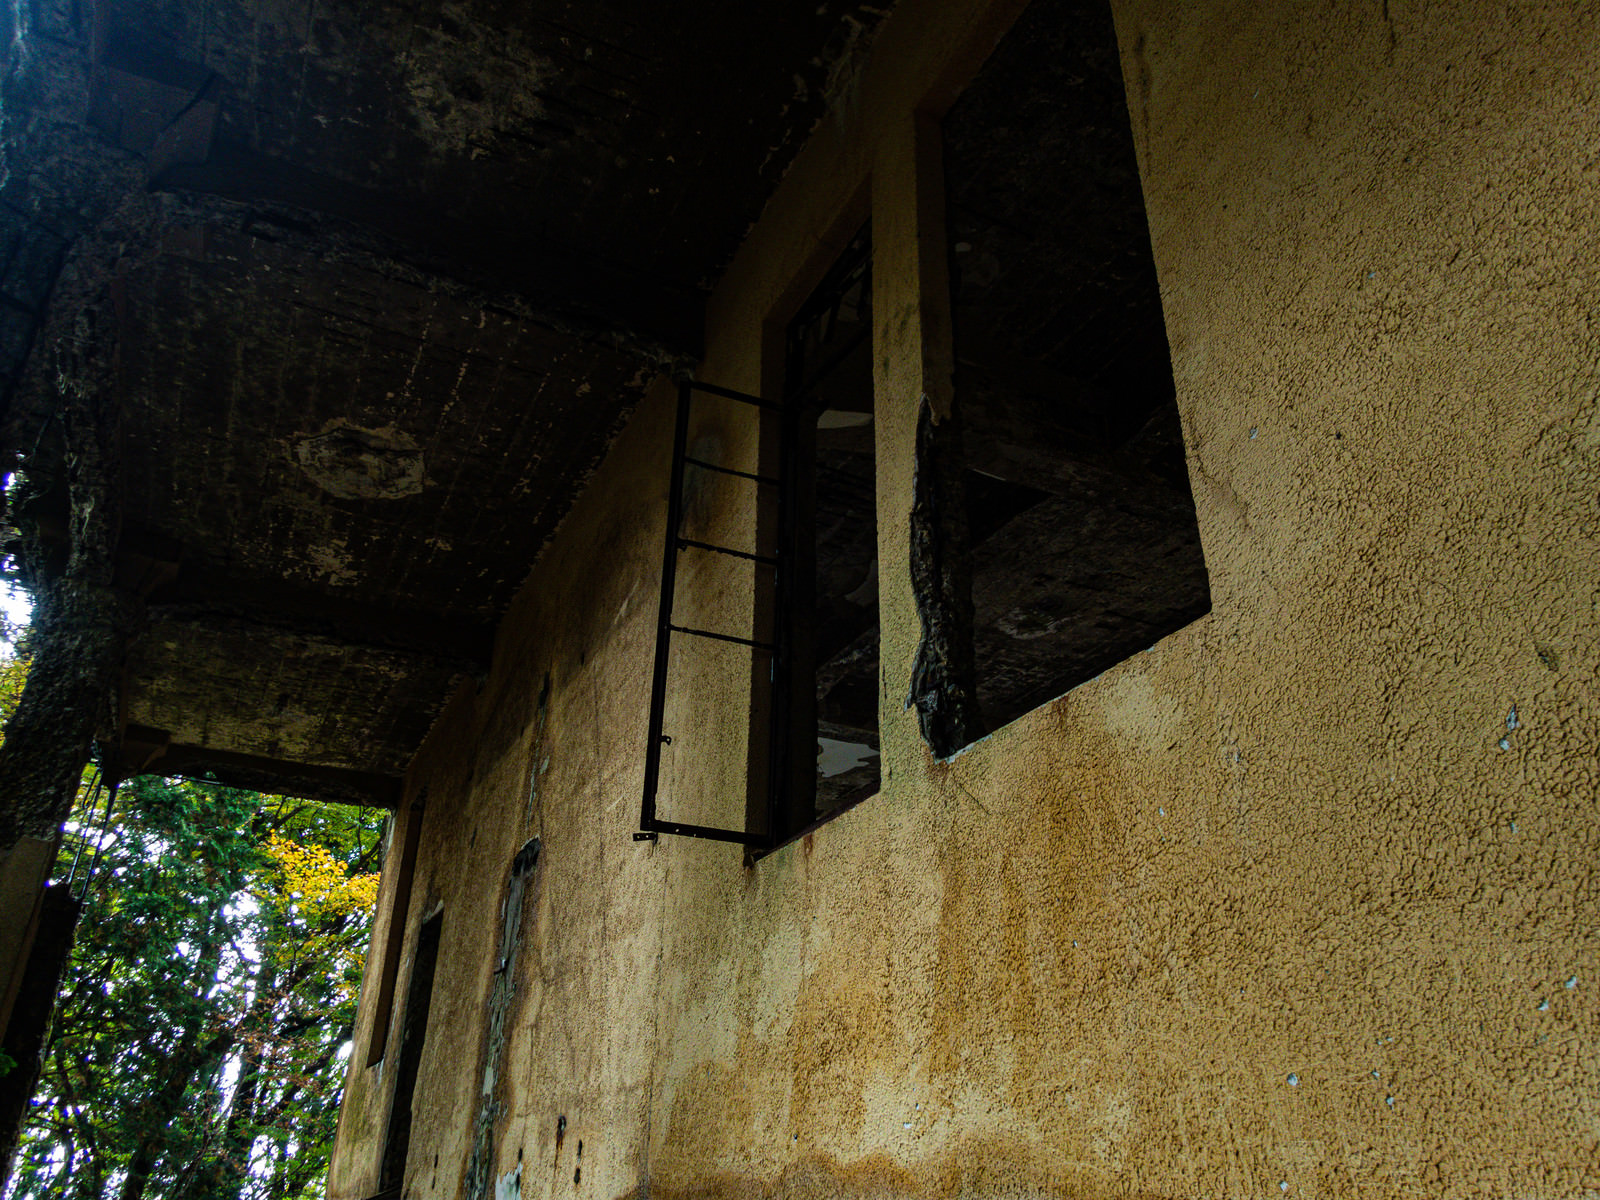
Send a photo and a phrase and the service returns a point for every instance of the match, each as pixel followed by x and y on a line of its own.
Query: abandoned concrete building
pixel 963 597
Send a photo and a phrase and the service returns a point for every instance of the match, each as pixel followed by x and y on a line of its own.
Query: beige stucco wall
pixel 1088 956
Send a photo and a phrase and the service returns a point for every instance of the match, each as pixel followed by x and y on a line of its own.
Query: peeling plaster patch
pixel 627 603
pixel 468 86
pixel 486 1120
pixel 19 35
pixel 1026 626
pixel 19 56
pixel 943 684
pixel 950 758
pixel 362 464
pixel 330 562
pixel 509 1185
pixel 847 52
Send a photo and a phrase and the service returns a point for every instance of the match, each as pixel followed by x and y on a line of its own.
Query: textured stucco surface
pixel 1300 901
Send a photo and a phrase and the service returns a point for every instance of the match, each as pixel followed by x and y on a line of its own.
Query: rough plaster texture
pixel 1300 901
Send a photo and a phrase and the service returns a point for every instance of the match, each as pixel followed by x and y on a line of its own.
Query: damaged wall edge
pixel 944 677
pixel 486 1119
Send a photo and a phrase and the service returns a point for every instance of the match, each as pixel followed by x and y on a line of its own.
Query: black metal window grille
pixel 831 326
pixel 650 825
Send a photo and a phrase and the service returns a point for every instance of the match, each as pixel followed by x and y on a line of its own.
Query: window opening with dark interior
pixel 827 711
pixel 1082 541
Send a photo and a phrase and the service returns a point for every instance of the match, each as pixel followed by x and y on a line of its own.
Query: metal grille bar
pixel 769 560
pixel 651 826
pixel 722 637
pixel 710 466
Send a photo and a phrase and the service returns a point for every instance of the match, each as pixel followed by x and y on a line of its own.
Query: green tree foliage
pixel 199 1041
pixel 13 674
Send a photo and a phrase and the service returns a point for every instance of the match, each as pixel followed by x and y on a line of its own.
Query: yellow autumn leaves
pixel 314 883
pixel 311 885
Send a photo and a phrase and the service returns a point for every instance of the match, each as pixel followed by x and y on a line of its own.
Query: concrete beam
pixel 175 590
pixel 556 285
pixel 147 751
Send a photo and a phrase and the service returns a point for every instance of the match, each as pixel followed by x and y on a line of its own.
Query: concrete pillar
pixel 927 664
pixel 82 624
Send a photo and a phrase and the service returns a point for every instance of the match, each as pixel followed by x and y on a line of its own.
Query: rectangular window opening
pixel 1077 530
pixel 826 714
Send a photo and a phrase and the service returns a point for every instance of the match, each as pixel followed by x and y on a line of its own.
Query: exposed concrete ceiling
pixel 385 279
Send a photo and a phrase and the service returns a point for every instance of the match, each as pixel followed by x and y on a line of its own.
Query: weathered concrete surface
pixel 1301 901
pixel 383 281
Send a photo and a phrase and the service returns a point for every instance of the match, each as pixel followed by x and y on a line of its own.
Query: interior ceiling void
pixel 387 279
pixel 1082 528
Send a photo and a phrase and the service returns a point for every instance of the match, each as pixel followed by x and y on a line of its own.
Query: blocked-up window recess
pixel 407 831
pixel 413 1034
pixel 830 598
pixel 1065 459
